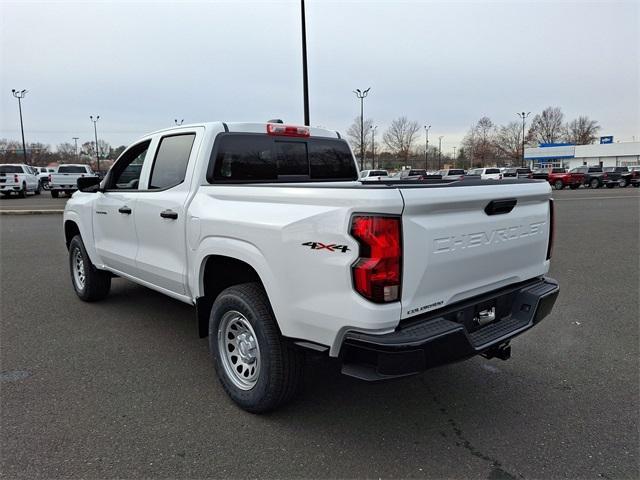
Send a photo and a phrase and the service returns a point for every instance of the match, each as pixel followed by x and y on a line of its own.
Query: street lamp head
pixel 13 90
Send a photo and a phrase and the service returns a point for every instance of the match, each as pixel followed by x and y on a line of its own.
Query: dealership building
pixel 571 156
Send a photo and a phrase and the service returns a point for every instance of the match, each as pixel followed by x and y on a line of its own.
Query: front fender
pixel 85 225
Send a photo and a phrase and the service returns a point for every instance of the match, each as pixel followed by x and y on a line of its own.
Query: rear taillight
pixel 287 130
pixel 552 229
pixel 49 177
pixel 605 175
pixel 15 179
pixel 530 175
pixel 376 273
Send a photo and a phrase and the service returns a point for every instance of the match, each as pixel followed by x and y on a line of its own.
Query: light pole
pixel 361 95
pixel 95 131
pixel 440 150
pixel 373 146
pixel 20 95
pixel 426 147
pixel 75 140
pixel 523 116
pixel 178 122
pixel 305 75
pixel 454 156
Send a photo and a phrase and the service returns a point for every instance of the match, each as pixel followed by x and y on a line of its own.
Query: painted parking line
pixel 623 197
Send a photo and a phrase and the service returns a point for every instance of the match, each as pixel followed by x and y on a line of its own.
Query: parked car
pixel 18 178
pixel 374 175
pixel 635 175
pixel 616 177
pixel 587 176
pixel 452 174
pixel 66 178
pixel 266 229
pixel 411 174
pixel 517 172
pixel 487 173
pixel 43 176
pixel 557 177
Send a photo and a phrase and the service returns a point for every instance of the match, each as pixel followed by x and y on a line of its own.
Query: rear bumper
pixel 449 335
pixel 12 187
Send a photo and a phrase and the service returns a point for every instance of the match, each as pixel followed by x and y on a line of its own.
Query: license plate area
pixel 475 317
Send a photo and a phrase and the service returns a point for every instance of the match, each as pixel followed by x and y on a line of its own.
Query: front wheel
pixel 89 283
pixel 622 183
pixel 55 193
pixel 257 368
pixel 558 185
pixel 39 189
pixel 23 191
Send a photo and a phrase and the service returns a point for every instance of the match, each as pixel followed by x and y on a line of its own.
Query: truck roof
pixel 249 127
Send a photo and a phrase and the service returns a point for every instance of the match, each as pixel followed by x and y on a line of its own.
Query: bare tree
pixel 547 127
pixel 480 141
pixel 509 140
pixel 400 136
pixel 582 130
pixel 353 135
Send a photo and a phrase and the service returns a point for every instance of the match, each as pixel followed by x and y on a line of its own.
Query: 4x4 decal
pixel 332 247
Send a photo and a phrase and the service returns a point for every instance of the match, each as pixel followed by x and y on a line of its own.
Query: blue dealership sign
pixel 608 139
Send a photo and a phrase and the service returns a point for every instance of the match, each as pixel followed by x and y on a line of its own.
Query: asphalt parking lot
pixel 124 388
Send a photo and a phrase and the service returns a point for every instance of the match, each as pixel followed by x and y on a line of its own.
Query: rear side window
pixel 170 164
pixel 71 169
pixel 261 158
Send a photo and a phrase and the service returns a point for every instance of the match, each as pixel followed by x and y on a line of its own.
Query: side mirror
pixel 88 184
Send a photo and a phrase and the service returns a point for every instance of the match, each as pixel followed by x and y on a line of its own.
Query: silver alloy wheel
pixel 78 269
pixel 239 350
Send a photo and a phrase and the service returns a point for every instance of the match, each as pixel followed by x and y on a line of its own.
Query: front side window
pixel 170 165
pixel 125 173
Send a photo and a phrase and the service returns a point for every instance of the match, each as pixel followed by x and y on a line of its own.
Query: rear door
pixel 466 240
pixel 161 211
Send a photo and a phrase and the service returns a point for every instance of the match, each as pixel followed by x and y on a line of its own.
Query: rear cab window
pixel 10 169
pixel 254 158
pixel 492 170
pixel 71 169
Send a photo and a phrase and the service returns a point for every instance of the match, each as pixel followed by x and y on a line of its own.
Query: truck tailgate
pixel 458 244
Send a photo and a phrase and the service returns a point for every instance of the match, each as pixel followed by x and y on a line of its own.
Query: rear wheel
pixel 594 183
pixel 55 193
pixel 39 189
pixel 257 368
pixel 23 191
pixel 89 283
pixel 558 185
pixel 623 183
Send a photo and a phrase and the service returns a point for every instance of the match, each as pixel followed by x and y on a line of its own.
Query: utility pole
pixel 20 95
pixel 373 146
pixel 523 116
pixel 361 96
pixel 305 75
pixel 426 147
pixel 75 139
pixel 95 131
pixel 440 150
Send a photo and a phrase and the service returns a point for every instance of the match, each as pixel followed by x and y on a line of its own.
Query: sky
pixel 140 65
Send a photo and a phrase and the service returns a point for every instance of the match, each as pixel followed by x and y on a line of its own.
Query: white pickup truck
pixel 18 178
pixel 267 231
pixel 65 179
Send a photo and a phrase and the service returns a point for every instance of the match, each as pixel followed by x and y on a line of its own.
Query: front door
pixel 114 213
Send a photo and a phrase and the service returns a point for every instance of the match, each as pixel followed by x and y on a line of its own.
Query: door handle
pixel 126 210
pixel 169 214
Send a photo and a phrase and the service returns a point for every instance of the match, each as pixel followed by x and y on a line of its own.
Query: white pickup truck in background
pixel 268 232
pixel 20 179
pixel 65 179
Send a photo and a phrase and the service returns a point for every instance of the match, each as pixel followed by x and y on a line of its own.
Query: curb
pixel 30 212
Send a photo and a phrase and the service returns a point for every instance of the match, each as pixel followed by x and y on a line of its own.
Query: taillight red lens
pixel 49 177
pixel 287 130
pixel 552 229
pixel 376 273
pixel 15 179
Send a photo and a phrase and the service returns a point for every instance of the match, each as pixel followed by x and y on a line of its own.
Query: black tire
pixel 594 183
pixel 574 187
pixel 280 367
pixel 39 189
pixel 558 185
pixel 635 185
pixel 55 193
pixel 623 183
pixel 23 191
pixel 97 283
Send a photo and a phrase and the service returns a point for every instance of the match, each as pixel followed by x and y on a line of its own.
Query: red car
pixel 557 177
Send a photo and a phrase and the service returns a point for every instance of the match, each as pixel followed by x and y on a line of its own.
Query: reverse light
pixel 287 130
pixel 552 229
pixel 376 273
